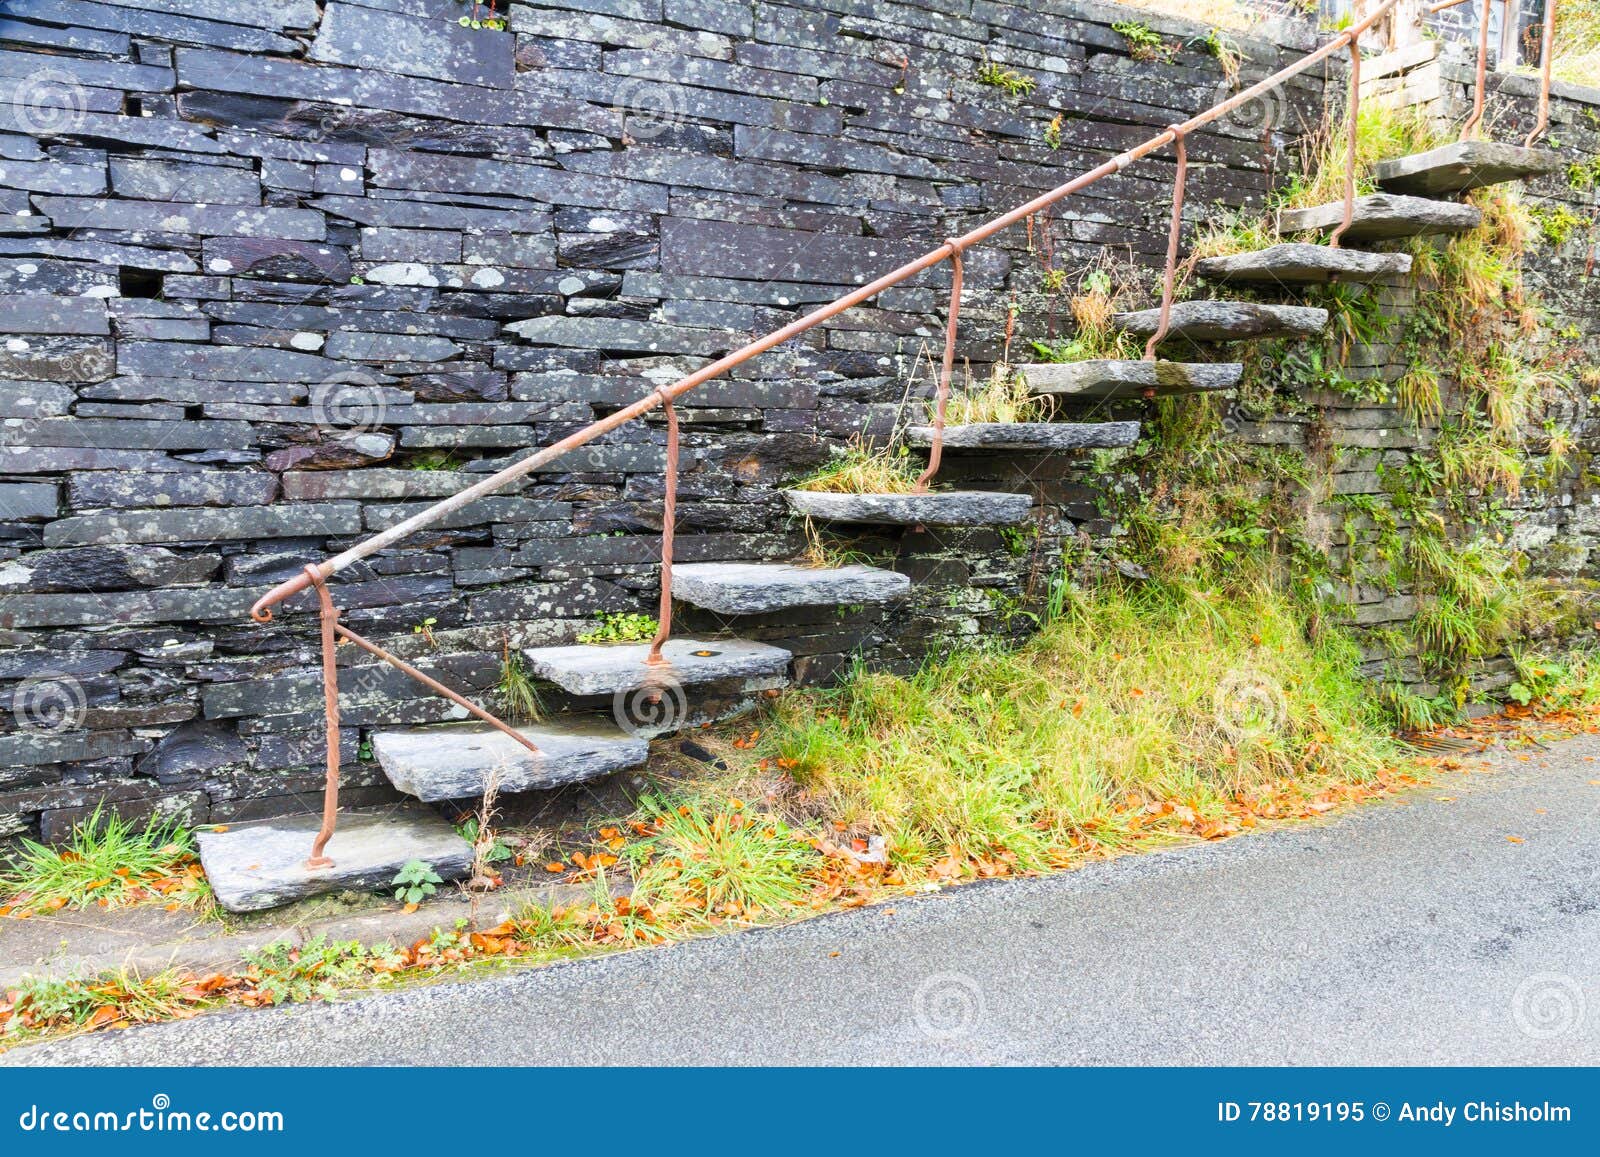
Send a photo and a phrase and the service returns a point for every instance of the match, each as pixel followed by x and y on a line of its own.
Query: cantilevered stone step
pixel 1464 165
pixel 939 508
pixel 753 588
pixel 1030 436
pixel 1227 321
pixel 1129 379
pixel 602 669
pixel 264 865
pixel 454 760
pixel 1383 217
pixel 1296 262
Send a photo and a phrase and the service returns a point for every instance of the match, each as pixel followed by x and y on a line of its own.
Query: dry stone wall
pixel 278 273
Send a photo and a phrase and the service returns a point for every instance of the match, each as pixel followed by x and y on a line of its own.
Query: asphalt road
pixel 1406 932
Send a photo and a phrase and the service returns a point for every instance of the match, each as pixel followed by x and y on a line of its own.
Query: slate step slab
pixel 1463 165
pixel 1383 217
pixel 264 865
pixel 1040 436
pixel 939 508
pixel 1129 379
pixel 1227 321
pixel 753 588
pixel 454 761
pixel 1300 262
pixel 607 669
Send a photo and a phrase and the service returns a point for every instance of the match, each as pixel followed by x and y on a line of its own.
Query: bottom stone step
pixel 754 588
pixel 938 508
pixel 609 669
pixel 264 865
pixel 456 760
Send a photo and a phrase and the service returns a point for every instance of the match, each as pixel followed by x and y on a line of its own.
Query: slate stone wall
pixel 261 259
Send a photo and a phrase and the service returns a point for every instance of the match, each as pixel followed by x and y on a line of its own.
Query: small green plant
pixel 435 460
pixel 415 882
pixel 621 627
pixel 519 691
pixel 1219 44
pixel 286 973
pixel 1052 131
pixel 1558 224
pixel 425 629
pixel 1144 43
pixel 498 850
pixel 997 75
pixel 477 18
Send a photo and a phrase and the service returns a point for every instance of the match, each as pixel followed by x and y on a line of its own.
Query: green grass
pixel 709 856
pixel 1002 397
pixel 1150 693
pixel 860 468
pixel 1382 132
pixel 519 691
pixel 109 860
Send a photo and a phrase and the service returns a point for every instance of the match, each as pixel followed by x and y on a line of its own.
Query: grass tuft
pixel 111 862
pixel 861 468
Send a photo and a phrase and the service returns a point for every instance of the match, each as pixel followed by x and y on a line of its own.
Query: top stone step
pixel 608 669
pixel 1464 165
pixel 1383 217
pixel 1227 321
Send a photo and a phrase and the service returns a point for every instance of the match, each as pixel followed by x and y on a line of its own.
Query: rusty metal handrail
pixel 261 610
pixel 316 575
pixel 1547 49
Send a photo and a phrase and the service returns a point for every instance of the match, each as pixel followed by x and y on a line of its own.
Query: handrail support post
pixel 329 620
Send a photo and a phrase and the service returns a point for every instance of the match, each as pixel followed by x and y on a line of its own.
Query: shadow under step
pixel 1030 436
pixel 1129 379
pixel 1300 262
pixel 754 588
pixel 1464 165
pixel 256 866
pixel 938 508
pixel 612 668
pixel 456 760
pixel 1383 217
pixel 1226 321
